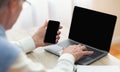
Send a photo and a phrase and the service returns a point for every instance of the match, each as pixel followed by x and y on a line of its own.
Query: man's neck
pixel 3 17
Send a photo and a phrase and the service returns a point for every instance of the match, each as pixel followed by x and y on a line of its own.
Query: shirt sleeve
pixel 24 64
pixel 26 44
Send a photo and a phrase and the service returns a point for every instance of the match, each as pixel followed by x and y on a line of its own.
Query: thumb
pixel 45 24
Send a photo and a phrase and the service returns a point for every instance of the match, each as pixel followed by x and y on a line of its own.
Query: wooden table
pixel 47 59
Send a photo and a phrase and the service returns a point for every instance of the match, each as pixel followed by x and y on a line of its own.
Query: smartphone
pixel 51 32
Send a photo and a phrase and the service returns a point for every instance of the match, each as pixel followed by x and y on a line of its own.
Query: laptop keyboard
pixel 66 44
pixel 57 49
pixel 88 58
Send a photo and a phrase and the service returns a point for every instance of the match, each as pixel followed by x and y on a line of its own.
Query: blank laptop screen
pixel 92 28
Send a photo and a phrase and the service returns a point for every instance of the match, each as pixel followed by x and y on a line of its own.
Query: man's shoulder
pixel 3 41
pixel 8 54
pixel 6 45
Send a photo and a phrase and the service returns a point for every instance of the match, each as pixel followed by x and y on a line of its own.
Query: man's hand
pixel 38 37
pixel 77 51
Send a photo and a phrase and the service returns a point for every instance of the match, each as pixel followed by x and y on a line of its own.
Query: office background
pixel 35 14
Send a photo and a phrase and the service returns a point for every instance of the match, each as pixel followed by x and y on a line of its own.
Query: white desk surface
pixel 47 59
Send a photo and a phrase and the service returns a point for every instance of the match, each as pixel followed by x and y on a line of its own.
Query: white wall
pixel 32 15
pixel 83 3
pixel 60 10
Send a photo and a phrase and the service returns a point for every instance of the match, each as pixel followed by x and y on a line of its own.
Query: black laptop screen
pixel 92 28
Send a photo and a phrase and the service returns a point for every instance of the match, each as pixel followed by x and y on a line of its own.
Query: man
pixel 12 59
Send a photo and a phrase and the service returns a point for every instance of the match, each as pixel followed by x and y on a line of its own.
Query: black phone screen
pixel 51 32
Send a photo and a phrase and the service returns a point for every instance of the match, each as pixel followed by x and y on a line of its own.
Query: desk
pixel 47 59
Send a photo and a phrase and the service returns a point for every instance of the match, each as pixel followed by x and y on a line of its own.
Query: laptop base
pixel 85 60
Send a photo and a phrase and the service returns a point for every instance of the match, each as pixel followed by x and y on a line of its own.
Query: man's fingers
pixel 45 24
pixel 60 27
pixel 57 37
pixel 83 48
pixel 88 52
pixel 57 40
pixel 59 32
pixel 79 45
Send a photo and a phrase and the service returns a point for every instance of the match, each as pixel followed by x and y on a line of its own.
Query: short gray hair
pixel 3 3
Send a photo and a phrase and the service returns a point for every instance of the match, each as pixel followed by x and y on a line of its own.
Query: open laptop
pixel 91 28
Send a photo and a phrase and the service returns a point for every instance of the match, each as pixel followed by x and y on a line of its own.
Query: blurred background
pixel 35 14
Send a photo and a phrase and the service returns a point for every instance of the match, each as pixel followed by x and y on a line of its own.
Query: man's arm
pixel 37 40
pixel 26 44
pixel 24 64
pixel 65 62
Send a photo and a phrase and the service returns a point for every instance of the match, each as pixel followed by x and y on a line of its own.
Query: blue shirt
pixel 8 52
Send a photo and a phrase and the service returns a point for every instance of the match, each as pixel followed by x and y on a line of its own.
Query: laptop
pixel 91 28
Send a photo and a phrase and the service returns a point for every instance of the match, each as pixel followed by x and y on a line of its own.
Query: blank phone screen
pixel 51 31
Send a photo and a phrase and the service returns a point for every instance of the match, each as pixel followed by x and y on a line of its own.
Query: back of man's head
pixel 3 3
